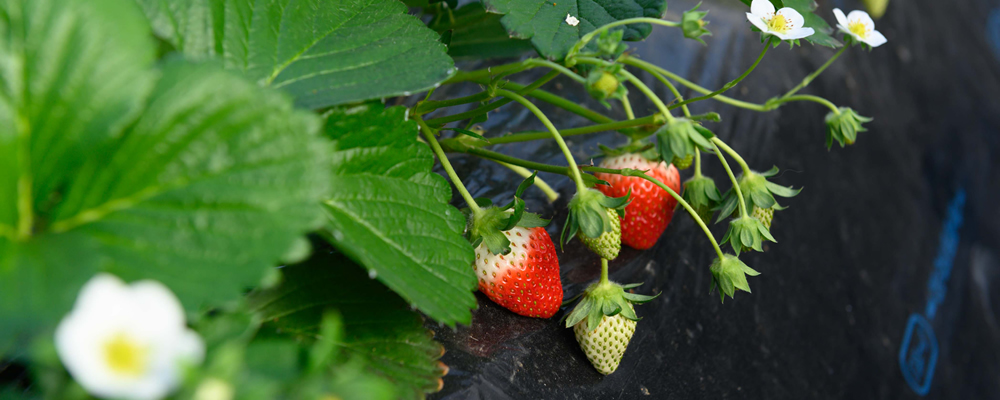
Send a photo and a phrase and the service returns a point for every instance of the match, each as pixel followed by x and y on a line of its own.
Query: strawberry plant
pixel 263 172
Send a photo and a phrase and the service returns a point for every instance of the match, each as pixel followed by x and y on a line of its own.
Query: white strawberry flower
pixel 786 23
pixel 859 25
pixel 127 341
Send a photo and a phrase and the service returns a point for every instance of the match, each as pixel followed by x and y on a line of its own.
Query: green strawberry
pixel 683 162
pixel 605 320
pixel 764 215
pixel 610 242
pixel 606 345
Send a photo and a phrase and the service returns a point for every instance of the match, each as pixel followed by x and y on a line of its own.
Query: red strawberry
pixel 526 280
pixel 652 208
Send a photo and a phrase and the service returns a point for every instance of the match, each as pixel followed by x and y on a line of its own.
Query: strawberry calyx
pixel 488 226
pixel 603 84
pixel 701 193
pixel 757 192
pixel 746 233
pixel 843 126
pixel 589 216
pixel 680 138
pixel 728 274
pixel 602 299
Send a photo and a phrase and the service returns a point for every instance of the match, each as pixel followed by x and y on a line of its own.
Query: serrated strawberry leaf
pixel 378 325
pixel 322 52
pixel 544 21
pixel 390 212
pixel 188 174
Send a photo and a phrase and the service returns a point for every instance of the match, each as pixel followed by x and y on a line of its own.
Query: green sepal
pixel 468 133
pixel 609 44
pixel 702 195
pixel 605 299
pixel 488 227
pixel 843 126
pixel 631 286
pixel 693 24
pixel 746 233
pixel 603 83
pixel 681 137
pixel 729 274
pixel 757 192
pixel 588 214
pixel 709 116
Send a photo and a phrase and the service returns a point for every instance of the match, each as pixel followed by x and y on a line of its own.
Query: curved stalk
pixel 537 62
pixel 736 184
pixel 813 75
pixel 732 83
pixel 580 187
pixel 732 153
pixel 654 69
pixel 613 126
pixel 590 36
pixel 443 158
pixel 550 193
pixel 806 97
pixel 628 108
pixel 492 106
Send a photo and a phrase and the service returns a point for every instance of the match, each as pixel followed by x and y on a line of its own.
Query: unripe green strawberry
pixel 683 163
pixel 606 345
pixel 605 86
pixel 610 242
pixel 764 215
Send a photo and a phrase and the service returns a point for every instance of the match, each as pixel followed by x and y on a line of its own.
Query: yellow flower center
pixel 858 28
pixel 125 356
pixel 779 24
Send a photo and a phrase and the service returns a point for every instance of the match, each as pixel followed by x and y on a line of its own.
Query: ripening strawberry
pixel 652 208
pixel 526 280
pixel 610 242
pixel 605 345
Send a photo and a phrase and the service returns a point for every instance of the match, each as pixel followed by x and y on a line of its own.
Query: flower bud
pixel 843 126
pixel 693 24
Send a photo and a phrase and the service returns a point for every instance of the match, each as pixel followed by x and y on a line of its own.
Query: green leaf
pixel 544 21
pixel 390 212
pixel 476 33
pixel 322 52
pixel 379 327
pixel 188 175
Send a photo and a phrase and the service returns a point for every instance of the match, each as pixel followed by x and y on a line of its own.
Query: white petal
pixel 863 17
pixel 762 8
pixel 841 18
pixel 875 39
pixel 793 17
pixel 101 291
pixel 798 33
pixel 158 312
pixel 758 22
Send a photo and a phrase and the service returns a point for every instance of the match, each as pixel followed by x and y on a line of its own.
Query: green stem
pixel 561 102
pixel 604 272
pixel 697 163
pixel 654 69
pixel 733 82
pixel 443 158
pixel 494 105
pixel 813 75
pixel 590 36
pixel 580 187
pixel 487 73
pixel 551 194
pixel 736 184
pixel 500 157
pixel 736 156
pixel 612 126
pixel 677 94
pixel 427 106
pixel 537 62
pixel 628 108
pixel 805 97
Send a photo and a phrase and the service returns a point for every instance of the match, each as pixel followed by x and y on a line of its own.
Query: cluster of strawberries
pixel 525 278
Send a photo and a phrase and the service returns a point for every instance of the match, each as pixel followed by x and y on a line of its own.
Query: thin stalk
pixel 561 102
pixel 537 62
pixel 551 194
pixel 654 69
pixel 427 106
pixel 806 97
pixel 677 94
pixel 697 163
pixel 732 153
pixel 733 82
pixel 813 75
pixel 736 184
pixel 580 187
pixel 465 76
pixel 494 105
pixel 443 158
pixel 628 108
pixel 590 36
pixel 604 272
pixel 612 126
